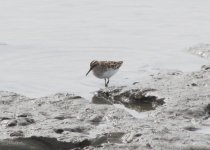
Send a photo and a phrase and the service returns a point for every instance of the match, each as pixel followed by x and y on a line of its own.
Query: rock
pixel 76 97
pixel 17 133
pixel 100 100
pixel 12 123
pixel 5 118
pixel 205 67
pixel 134 83
pixel 194 84
pixel 148 145
pixel 24 115
pixel 207 109
pixel 41 143
pixel 137 99
pixel 63 116
pixel 95 119
pixel 99 140
pixel 138 135
pixel 59 131
pixel 25 121
pixel 190 128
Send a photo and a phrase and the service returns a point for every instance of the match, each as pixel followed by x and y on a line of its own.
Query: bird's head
pixel 93 64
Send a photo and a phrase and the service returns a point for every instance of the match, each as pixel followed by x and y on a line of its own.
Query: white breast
pixel 104 74
pixel 109 73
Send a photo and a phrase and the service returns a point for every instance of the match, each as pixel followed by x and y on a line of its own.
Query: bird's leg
pixel 105 82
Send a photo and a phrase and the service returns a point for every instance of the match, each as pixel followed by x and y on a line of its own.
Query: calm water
pixel 46 45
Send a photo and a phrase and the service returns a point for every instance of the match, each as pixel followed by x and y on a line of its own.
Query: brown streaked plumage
pixel 104 69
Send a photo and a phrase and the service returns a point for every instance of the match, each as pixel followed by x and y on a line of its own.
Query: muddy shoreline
pixel 177 106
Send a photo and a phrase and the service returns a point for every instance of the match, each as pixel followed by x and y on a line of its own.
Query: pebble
pixel 25 121
pixel 59 131
pixel 12 123
pixel 17 133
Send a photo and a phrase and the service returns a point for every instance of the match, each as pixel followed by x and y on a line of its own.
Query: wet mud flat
pixel 177 106
pixel 136 99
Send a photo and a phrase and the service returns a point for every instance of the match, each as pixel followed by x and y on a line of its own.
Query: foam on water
pixel 48 44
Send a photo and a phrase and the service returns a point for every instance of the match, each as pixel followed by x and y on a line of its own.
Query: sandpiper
pixel 104 69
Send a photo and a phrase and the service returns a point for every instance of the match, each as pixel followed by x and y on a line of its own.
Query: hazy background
pixel 46 45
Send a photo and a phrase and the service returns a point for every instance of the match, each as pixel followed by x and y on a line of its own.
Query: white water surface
pixel 205 128
pixel 46 45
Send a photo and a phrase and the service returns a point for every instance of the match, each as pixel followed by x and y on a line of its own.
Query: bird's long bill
pixel 89 71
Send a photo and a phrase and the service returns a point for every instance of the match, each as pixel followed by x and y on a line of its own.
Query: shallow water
pixel 134 113
pixel 46 45
pixel 205 129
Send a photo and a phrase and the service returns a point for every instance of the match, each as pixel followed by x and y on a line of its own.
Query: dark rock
pixel 96 99
pixel 148 145
pixel 76 97
pixel 207 109
pixel 63 116
pixel 17 133
pixel 39 104
pixel 205 67
pixel 134 83
pixel 60 117
pixel 5 118
pixel 12 123
pixel 137 99
pixel 206 117
pixel 138 135
pixel 24 115
pixel 191 128
pixel 41 143
pixel 84 143
pixel 99 140
pixel 59 131
pixel 194 84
